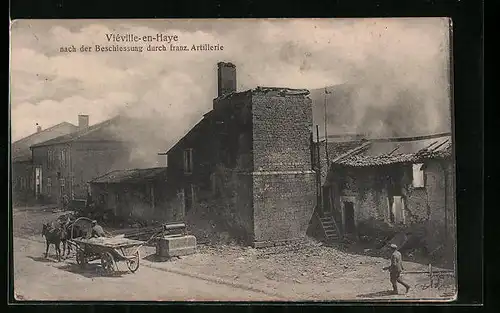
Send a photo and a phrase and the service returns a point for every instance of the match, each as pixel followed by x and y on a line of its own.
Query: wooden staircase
pixel 330 227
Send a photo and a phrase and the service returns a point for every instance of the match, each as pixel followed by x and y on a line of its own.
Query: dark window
pixel 396 209
pixel 392 216
pixel 62 184
pixel 63 158
pixel 49 158
pixel 49 186
pixel 188 160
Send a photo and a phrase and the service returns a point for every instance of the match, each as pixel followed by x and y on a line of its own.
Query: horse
pixel 70 230
pixel 53 235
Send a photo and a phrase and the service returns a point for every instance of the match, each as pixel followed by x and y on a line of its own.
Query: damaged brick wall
pixel 231 202
pixel 222 154
pixel 283 182
pixel 440 186
pixel 417 208
pixel 371 197
pixel 249 134
pixel 424 207
pixel 283 206
pixel 435 186
pixel 281 132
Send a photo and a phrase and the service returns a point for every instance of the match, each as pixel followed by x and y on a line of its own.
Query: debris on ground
pixel 307 263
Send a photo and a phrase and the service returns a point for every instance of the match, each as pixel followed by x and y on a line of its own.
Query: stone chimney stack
pixel 83 121
pixel 226 78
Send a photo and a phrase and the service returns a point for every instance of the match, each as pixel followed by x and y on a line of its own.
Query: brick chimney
pixel 226 78
pixel 38 128
pixel 83 121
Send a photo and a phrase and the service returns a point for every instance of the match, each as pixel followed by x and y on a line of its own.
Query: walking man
pixel 395 269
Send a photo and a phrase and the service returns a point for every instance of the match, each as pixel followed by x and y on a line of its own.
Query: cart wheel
pixel 133 263
pixel 80 258
pixel 107 262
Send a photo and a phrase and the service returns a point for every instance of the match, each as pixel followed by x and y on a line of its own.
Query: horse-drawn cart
pixel 113 249
pixel 109 251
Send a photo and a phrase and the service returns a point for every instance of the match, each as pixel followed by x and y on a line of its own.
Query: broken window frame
pixel 420 171
pixel 392 216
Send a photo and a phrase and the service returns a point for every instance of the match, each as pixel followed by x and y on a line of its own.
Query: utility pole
pixel 326 132
pixel 318 175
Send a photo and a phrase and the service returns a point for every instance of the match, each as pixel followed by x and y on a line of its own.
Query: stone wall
pixel 284 192
pixel 283 206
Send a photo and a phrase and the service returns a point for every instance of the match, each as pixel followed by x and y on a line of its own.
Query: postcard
pixel 233 160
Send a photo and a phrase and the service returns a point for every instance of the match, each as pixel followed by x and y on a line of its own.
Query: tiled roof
pixel 336 149
pixel 406 145
pixel 367 160
pixel 131 176
pixel 363 160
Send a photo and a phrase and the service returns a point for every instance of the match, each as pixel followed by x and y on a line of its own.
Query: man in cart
pixel 96 230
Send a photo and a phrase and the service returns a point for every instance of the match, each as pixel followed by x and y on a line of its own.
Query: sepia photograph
pixel 232 160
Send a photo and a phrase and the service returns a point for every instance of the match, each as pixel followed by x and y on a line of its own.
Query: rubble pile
pixel 308 261
pixel 208 229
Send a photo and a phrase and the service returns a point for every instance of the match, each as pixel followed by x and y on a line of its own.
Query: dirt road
pixel 37 278
pixel 237 273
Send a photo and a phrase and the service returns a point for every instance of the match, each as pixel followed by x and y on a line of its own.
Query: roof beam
pixel 352 152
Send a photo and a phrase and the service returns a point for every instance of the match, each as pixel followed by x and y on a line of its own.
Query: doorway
pixel 326 201
pixel 349 224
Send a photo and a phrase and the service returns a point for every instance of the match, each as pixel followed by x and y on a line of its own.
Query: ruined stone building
pixel 393 182
pixel 137 192
pixel 64 165
pixel 23 173
pixel 249 160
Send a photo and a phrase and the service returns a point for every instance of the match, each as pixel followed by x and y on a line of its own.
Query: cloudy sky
pixel 173 89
